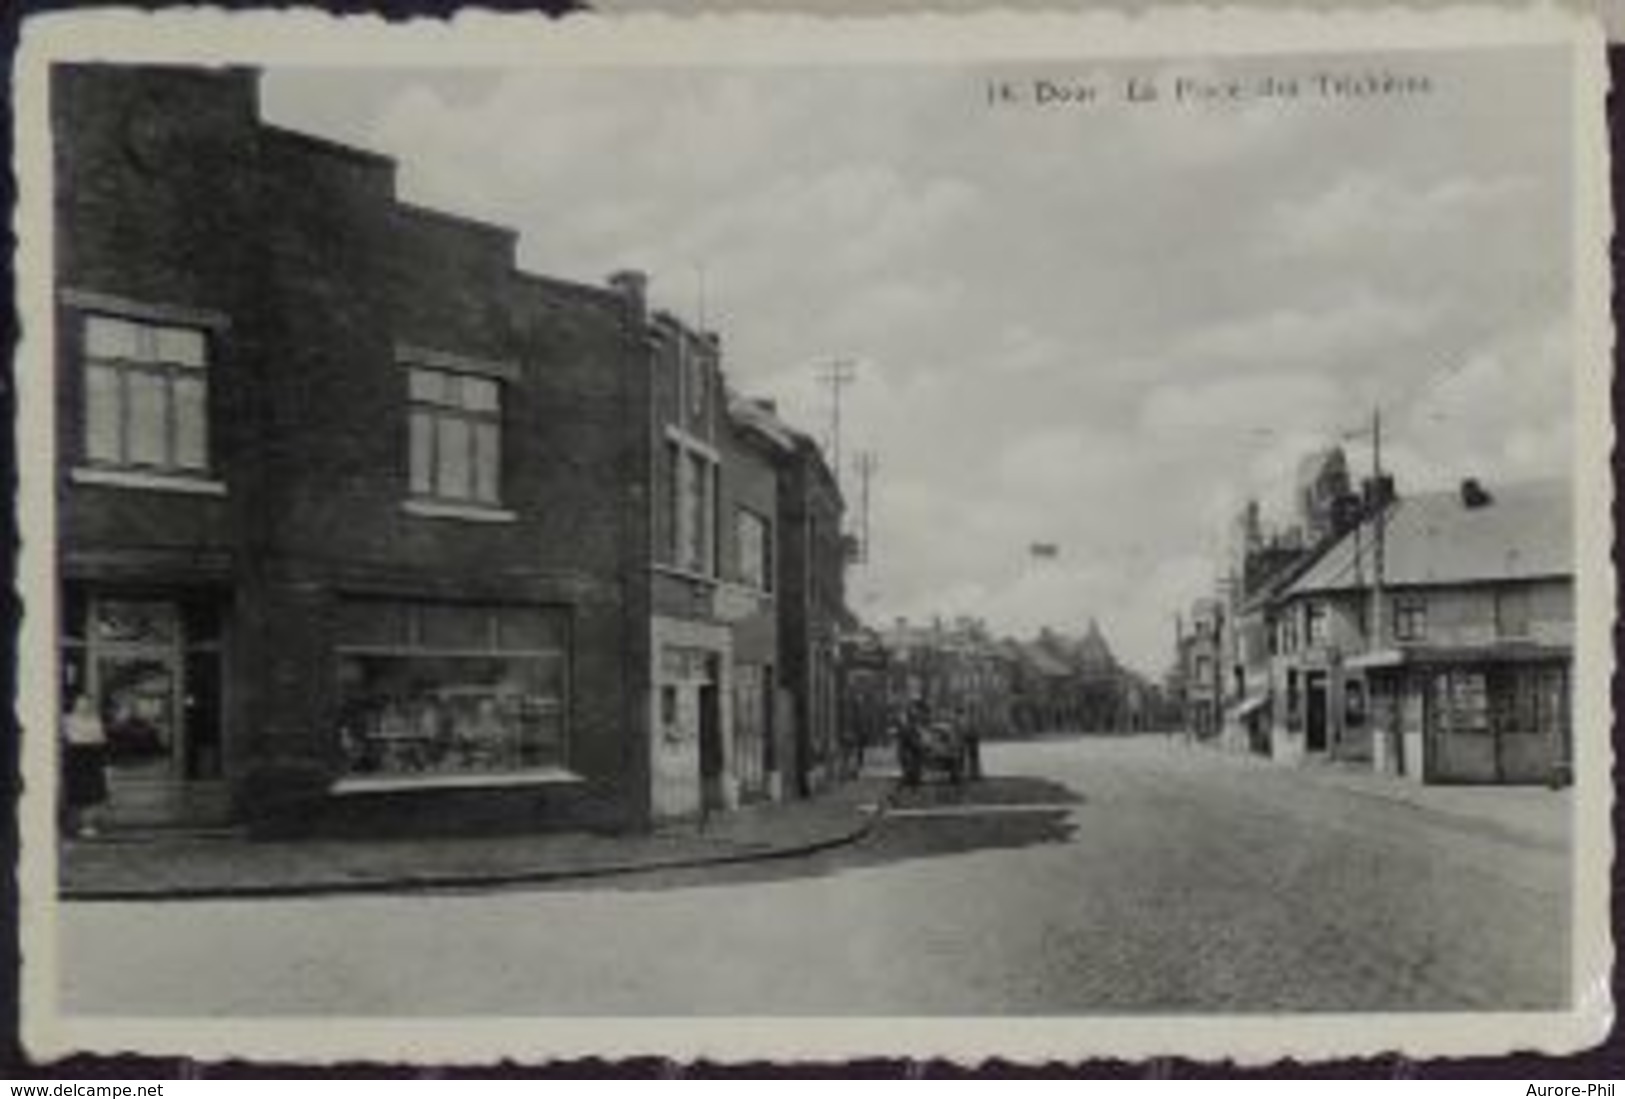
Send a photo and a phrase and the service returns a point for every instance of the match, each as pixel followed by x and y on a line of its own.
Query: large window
pixel 451 688
pixel 456 427
pixel 146 395
pixel 1461 702
pixel 754 537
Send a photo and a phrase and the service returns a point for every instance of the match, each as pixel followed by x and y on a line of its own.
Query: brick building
pixel 1464 673
pixel 360 524
pixel 754 447
pixel 812 609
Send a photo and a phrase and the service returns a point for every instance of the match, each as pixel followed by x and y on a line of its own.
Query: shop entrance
pixel 686 689
pixel 1315 711
pixel 711 749
pixel 151 666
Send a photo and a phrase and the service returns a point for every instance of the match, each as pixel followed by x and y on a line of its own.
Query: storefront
pixel 691 758
pixel 450 691
pixel 1456 718
pixel 151 660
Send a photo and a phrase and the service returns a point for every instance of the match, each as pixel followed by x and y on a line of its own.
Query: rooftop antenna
pixel 868 463
pixel 837 374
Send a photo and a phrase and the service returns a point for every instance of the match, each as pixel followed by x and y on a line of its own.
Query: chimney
pixel 1475 495
pixel 633 286
pixel 1379 491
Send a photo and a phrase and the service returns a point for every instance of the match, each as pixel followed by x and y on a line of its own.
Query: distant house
pixel 956 668
pixel 1102 685
pixel 1045 694
pixel 1202 672
pixel 1460 672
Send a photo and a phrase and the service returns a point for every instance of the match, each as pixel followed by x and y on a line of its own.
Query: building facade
pixel 812 609
pixel 362 525
pixel 754 447
pixel 1458 668
pixel 1201 661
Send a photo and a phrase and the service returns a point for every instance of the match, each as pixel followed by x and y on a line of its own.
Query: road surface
pixel 1084 876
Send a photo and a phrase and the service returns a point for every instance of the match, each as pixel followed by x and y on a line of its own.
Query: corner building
pixel 355 516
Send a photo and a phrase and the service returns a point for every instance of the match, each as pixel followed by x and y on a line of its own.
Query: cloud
pixel 1364 206
pixel 1255 405
pixel 1102 328
pixel 1310 336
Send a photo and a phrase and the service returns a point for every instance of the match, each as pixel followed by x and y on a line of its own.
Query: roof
pixel 1524 532
pixel 1276 583
pixel 759 418
pixel 1042 660
pixel 1092 652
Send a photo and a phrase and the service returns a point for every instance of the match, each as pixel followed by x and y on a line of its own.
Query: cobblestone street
pixel 1108 875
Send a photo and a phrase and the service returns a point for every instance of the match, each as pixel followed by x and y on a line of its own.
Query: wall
pixel 1465 614
pixel 321 274
pixel 153 207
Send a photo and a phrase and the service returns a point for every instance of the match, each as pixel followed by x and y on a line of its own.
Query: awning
pixel 1501 652
pixel 1248 706
pixel 1380 658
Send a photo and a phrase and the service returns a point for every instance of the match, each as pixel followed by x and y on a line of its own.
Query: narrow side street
pixel 1084 875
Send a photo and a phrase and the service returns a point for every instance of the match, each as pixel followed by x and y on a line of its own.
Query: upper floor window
pixel 692 496
pixel 754 537
pixel 1314 622
pixel 146 395
pixel 1512 612
pixel 456 428
pixel 1410 618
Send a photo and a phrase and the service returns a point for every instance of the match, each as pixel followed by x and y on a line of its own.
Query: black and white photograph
pixel 1006 535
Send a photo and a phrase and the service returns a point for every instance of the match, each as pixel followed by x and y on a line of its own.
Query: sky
pixel 1100 325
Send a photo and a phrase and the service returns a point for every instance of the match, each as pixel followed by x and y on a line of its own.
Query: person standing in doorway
pixel 85 762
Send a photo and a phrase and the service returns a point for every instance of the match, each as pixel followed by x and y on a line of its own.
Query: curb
pixel 451 882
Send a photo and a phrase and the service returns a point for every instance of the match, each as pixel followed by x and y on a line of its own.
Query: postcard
pixel 1011 534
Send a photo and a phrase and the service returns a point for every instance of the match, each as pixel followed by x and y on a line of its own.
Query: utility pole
pixel 837 374
pixel 1378 523
pixel 868 463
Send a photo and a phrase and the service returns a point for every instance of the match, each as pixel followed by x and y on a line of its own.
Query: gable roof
pixel 1041 660
pixel 1523 532
pixel 755 416
pixel 1092 653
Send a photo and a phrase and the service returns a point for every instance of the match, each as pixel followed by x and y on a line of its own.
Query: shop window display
pixel 438 689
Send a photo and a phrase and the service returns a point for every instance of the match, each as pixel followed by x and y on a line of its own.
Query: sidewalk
pixel 1533 814
pixel 1536 815
pixel 189 867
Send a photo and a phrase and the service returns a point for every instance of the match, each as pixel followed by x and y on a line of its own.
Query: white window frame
pixel 152 361
pixel 453 408
pixel 696 467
